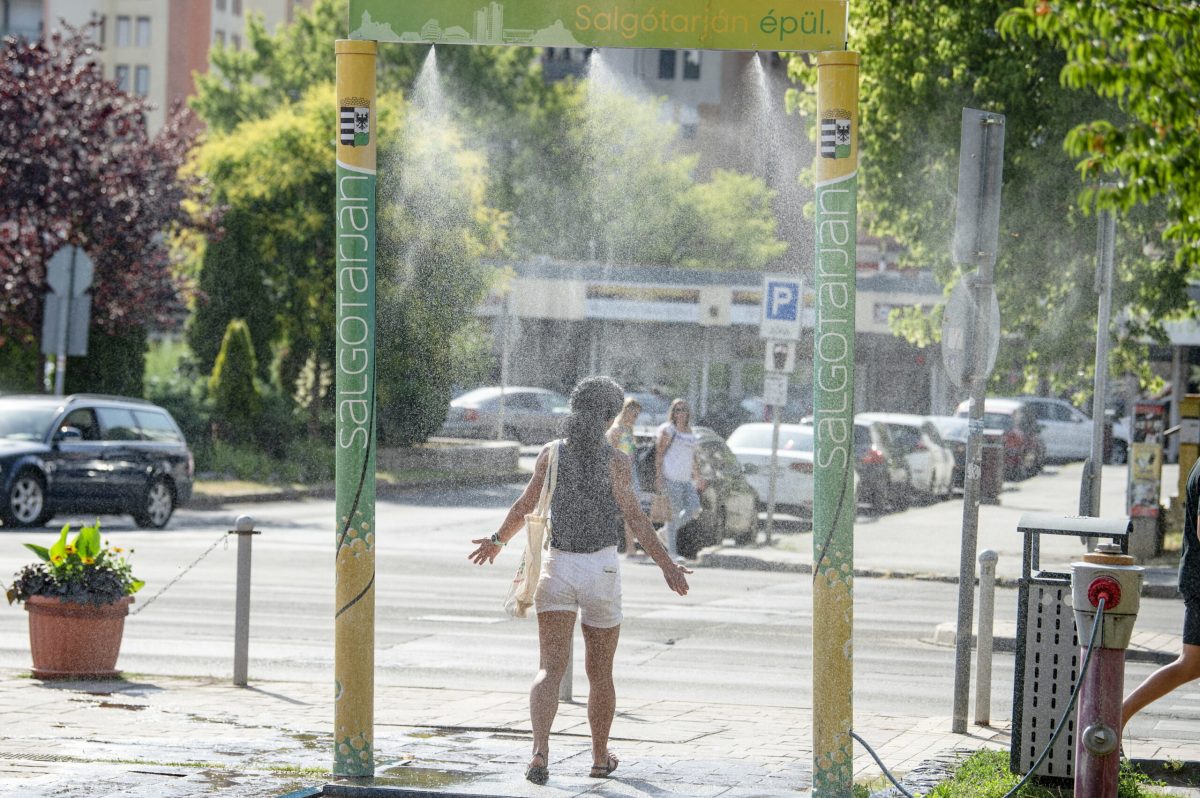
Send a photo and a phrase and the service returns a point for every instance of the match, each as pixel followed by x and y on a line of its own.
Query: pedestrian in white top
pixel 677 474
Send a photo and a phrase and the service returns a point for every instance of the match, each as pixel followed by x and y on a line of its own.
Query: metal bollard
pixel 983 656
pixel 564 687
pixel 241 628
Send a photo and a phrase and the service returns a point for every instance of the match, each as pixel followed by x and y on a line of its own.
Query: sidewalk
pixel 178 738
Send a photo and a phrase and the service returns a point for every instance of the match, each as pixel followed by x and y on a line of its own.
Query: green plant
pixel 236 398
pixel 85 570
pixel 985 774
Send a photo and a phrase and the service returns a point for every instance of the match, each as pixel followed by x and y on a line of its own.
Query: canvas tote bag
pixel 537 539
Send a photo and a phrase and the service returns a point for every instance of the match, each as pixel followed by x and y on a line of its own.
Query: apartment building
pixel 151 48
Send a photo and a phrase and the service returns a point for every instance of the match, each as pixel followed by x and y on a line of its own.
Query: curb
pixel 946 633
pixel 200 501
pixel 715 557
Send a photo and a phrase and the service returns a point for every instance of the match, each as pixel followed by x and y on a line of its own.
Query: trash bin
pixel 991 480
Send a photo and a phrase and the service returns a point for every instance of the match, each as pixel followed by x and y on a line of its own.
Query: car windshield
pixel 997 420
pixel 26 421
pixel 758 436
pixel 950 428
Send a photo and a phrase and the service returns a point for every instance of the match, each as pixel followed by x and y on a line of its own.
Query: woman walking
pixel 593 497
pixel 677 474
pixel 620 437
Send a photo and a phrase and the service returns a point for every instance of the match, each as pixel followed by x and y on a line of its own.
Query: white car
pixel 1067 431
pixel 751 445
pixel 930 460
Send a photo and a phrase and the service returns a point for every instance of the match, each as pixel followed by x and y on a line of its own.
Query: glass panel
pixel 117 424
pixel 691 65
pixel 124 27
pixel 84 420
pixel 157 426
pixel 143 31
pixel 142 81
pixel 666 64
pixel 26 422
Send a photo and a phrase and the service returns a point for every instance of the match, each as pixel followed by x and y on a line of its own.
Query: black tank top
pixel 584 516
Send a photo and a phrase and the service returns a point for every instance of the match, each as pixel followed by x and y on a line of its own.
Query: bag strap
pixel 549 483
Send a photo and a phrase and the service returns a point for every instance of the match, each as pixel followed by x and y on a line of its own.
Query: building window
pixel 220 5
pixel 236 7
pixel 141 81
pixel 235 41
pixel 691 65
pixel 102 29
pixel 121 76
pixel 666 65
pixel 123 31
pixel 219 38
pixel 143 32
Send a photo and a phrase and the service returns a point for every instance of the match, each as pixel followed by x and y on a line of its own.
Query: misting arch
pixel 816 26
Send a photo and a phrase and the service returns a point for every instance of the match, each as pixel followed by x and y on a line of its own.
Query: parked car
pixel 530 415
pixel 953 430
pixel 728 506
pixel 90 454
pixel 654 408
pixel 1065 430
pixel 883 475
pixel 1012 422
pixel 930 461
pixel 751 445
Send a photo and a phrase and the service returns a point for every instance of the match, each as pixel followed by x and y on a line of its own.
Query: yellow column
pixel 354 618
pixel 833 410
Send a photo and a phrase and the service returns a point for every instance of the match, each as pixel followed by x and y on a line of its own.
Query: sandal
pixel 538 774
pixel 605 770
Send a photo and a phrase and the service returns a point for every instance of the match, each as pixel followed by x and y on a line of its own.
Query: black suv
pixel 90 454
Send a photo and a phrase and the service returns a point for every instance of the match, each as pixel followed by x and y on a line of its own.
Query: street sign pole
pixel 834 267
pixel 354 583
pixel 976 238
pixel 1089 500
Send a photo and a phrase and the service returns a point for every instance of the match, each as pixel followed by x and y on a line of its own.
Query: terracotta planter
pixel 75 641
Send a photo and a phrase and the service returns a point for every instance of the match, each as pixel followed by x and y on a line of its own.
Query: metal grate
pixel 1047 662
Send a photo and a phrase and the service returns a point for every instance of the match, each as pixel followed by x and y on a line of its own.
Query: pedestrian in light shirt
pixel 677 474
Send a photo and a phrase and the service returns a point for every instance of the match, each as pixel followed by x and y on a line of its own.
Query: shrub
pixel 236 398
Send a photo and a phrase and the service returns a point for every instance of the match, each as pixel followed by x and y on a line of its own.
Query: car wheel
pixel 157 505
pixel 510 434
pixel 25 504
pixel 901 495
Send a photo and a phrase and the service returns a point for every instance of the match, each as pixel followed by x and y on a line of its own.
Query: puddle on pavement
pixel 405 776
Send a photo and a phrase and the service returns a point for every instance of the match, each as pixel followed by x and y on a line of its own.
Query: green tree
pixel 597 176
pixel 1144 58
pixel 921 66
pixel 236 398
pixel 277 174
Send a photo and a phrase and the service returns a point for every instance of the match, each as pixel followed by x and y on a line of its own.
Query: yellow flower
pixel 88 560
pixel 70 548
pixel 118 549
pixel 57 559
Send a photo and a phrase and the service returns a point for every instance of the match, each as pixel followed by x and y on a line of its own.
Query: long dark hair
pixel 595 402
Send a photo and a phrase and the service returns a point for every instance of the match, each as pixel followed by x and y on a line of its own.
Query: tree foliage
pixel 1145 58
pixel 921 66
pixel 79 168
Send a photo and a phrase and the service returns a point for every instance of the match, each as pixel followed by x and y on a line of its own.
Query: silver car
pixel 527 415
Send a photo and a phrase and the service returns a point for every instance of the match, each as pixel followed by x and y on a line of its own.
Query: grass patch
pixel 986 775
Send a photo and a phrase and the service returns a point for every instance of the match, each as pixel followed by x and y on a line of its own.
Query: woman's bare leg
pixel 554 644
pixel 601 646
pixel 1161 682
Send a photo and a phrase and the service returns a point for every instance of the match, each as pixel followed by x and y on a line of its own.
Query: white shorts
pixel 588 582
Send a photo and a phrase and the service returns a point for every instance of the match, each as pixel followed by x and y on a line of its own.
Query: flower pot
pixel 75 641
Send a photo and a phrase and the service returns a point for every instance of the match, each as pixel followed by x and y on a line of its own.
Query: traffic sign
pixel 958 324
pixel 781 304
pixel 775 389
pixel 781 356
pixel 69 271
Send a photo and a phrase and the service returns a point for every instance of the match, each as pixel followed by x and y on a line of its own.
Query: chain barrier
pixel 180 575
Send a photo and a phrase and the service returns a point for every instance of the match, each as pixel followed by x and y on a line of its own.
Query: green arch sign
pixel 791 25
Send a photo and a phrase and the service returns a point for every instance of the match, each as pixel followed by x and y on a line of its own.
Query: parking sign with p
pixel 781 308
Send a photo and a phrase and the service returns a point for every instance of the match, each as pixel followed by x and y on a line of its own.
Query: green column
pixel 354 618
pixel 833 410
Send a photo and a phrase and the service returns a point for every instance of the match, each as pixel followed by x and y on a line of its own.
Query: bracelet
pixel 496 541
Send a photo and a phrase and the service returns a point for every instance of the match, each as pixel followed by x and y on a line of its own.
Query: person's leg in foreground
pixel 601 645
pixel 554 643
pixel 685 505
pixel 1183 670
